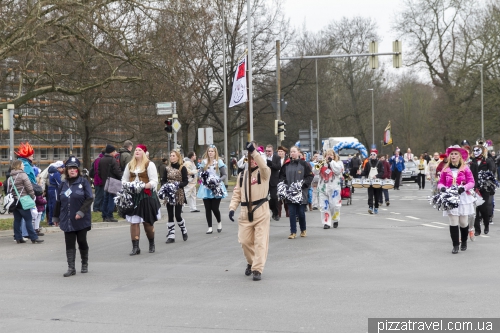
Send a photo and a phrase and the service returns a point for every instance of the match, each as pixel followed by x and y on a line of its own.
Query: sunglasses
pixel 373 154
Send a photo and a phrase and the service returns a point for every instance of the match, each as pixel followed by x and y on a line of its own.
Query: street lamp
pixel 224 88
pixel 482 102
pixel 373 121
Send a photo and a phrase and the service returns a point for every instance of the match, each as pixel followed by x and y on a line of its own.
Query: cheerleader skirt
pixel 147 209
pixel 206 193
pixel 466 206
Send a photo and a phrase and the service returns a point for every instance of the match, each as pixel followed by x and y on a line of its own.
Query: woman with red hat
pixel 457 173
pixel 147 210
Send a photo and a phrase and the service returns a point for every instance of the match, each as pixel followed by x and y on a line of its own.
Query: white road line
pixel 484 236
pixel 395 213
pixel 390 218
pixel 433 226
pixel 498 210
pixel 383 208
pixel 441 223
pixel 412 217
pixel 364 214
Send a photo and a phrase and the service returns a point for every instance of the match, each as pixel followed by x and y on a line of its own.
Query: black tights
pixel 178 211
pixel 79 236
pixel 212 205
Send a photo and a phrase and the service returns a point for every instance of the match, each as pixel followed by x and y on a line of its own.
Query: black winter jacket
pixel 108 167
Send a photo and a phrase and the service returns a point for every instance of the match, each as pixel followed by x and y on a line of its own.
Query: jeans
pixel 108 205
pixel 51 202
pixel 421 180
pixel 385 196
pixel 98 198
pixel 297 210
pixel 19 215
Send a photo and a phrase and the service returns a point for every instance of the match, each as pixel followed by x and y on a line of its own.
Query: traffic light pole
pixel 278 88
pixel 168 143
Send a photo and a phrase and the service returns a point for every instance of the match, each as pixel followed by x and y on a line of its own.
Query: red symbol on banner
pixel 241 71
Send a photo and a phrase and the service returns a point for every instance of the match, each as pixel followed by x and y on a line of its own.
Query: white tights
pixel 456 219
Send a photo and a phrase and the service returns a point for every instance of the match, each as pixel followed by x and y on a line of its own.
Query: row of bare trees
pixel 103 65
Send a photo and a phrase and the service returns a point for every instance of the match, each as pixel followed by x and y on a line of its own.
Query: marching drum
pixel 366 182
pixel 388 184
pixel 356 183
pixel 377 183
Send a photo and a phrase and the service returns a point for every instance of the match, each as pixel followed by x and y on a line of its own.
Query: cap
pixel 109 149
pixel 72 162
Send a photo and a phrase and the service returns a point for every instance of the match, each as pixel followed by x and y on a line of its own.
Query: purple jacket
pixel 40 203
pixel 464 177
pixel 97 179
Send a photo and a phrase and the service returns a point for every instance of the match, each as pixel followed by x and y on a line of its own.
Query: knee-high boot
pixel 70 256
pixel 464 233
pixel 171 232
pixel 84 254
pixel 182 225
pixel 151 245
pixel 135 248
pixel 454 233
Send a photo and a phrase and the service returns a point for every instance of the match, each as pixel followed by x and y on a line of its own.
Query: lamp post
pixel 11 108
pixel 482 102
pixel 317 106
pixel 224 83
pixel 373 120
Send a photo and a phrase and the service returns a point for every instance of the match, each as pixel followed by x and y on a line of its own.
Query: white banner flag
pixel 240 84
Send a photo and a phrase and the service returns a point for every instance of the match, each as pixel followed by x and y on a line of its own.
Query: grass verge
pixel 6 224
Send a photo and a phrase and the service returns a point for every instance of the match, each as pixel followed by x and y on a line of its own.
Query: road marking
pixel 484 236
pixel 383 208
pixel 498 210
pixel 441 223
pixel 433 226
pixel 364 214
pixel 390 218
pixel 411 217
pixel 395 213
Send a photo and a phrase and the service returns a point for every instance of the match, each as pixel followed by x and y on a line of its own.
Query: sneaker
pixel 335 224
pixel 276 217
pixel 303 233
pixel 472 237
pixel 248 270
pixel 370 210
pixel 326 226
pixel 387 203
pixel 375 211
pixel 292 236
pixel 257 276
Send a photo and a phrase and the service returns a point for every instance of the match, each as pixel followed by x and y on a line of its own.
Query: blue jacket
pixel 28 168
pixel 78 202
pixel 397 163
pixel 54 177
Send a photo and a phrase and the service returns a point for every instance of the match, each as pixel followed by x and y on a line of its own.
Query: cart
pixel 346 191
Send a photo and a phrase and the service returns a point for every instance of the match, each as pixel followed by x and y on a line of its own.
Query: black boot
pixel 151 245
pixel 486 223
pixel 84 254
pixel 135 248
pixel 454 233
pixel 464 233
pixel 70 255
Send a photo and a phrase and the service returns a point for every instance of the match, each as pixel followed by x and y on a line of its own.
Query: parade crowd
pixel 269 185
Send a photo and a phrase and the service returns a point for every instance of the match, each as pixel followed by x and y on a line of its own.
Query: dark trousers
pixel 212 205
pixel 273 203
pixel 421 180
pixel 73 237
pixel 396 176
pixel 98 198
pixel 19 215
pixel 384 194
pixel 483 211
pixel 373 196
pixel 108 205
pixel 297 210
pixel 170 212
pixel 51 202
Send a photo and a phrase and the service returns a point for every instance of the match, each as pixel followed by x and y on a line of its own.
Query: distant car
pixel 410 172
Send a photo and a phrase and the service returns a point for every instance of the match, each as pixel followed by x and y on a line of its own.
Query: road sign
pixel 165 108
pixel 205 136
pixel 176 125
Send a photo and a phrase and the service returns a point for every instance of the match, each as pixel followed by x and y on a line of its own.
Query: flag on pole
pixel 388 135
pixel 239 94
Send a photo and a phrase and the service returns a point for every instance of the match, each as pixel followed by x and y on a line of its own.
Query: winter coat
pixel 387 170
pixel 54 177
pixel 108 167
pixel 125 157
pixel 397 163
pixel 275 165
pixel 418 163
pixel 78 202
pixel 482 164
pixel 40 203
pixel 22 184
pixel 97 179
pixel 372 164
pixel 28 169
pixel 297 170
pixel 464 177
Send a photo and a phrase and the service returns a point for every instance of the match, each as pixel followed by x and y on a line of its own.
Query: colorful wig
pixel 25 150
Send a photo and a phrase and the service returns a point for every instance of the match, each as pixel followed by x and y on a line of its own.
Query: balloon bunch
pixel 212 182
pixel 167 192
pixel 448 200
pixel 351 145
pixel 487 181
pixel 292 193
pixel 124 199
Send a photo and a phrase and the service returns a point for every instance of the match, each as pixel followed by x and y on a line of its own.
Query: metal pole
pixel 249 65
pixel 482 105
pixel 311 136
pixel 373 122
pixel 168 144
pixel 278 88
pixel 71 144
pixel 11 134
pixel 317 104
pixel 175 132
pixel 226 156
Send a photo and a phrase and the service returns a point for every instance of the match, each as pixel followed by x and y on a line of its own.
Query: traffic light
pixel 279 129
pixel 373 59
pixel 397 59
pixel 168 125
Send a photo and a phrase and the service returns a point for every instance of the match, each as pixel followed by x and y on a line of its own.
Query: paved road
pixel 395 264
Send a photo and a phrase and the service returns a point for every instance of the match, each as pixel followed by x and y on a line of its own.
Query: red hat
pixel 143 147
pixel 463 152
pixel 25 150
pixel 443 156
pixel 374 151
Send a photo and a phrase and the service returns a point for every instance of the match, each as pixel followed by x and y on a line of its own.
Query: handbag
pixel 26 202
pixel 112 185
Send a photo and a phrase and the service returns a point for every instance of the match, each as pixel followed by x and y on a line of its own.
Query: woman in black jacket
pixel 176 172
pixel 373 169
pixel 295 171
pixel 72 212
